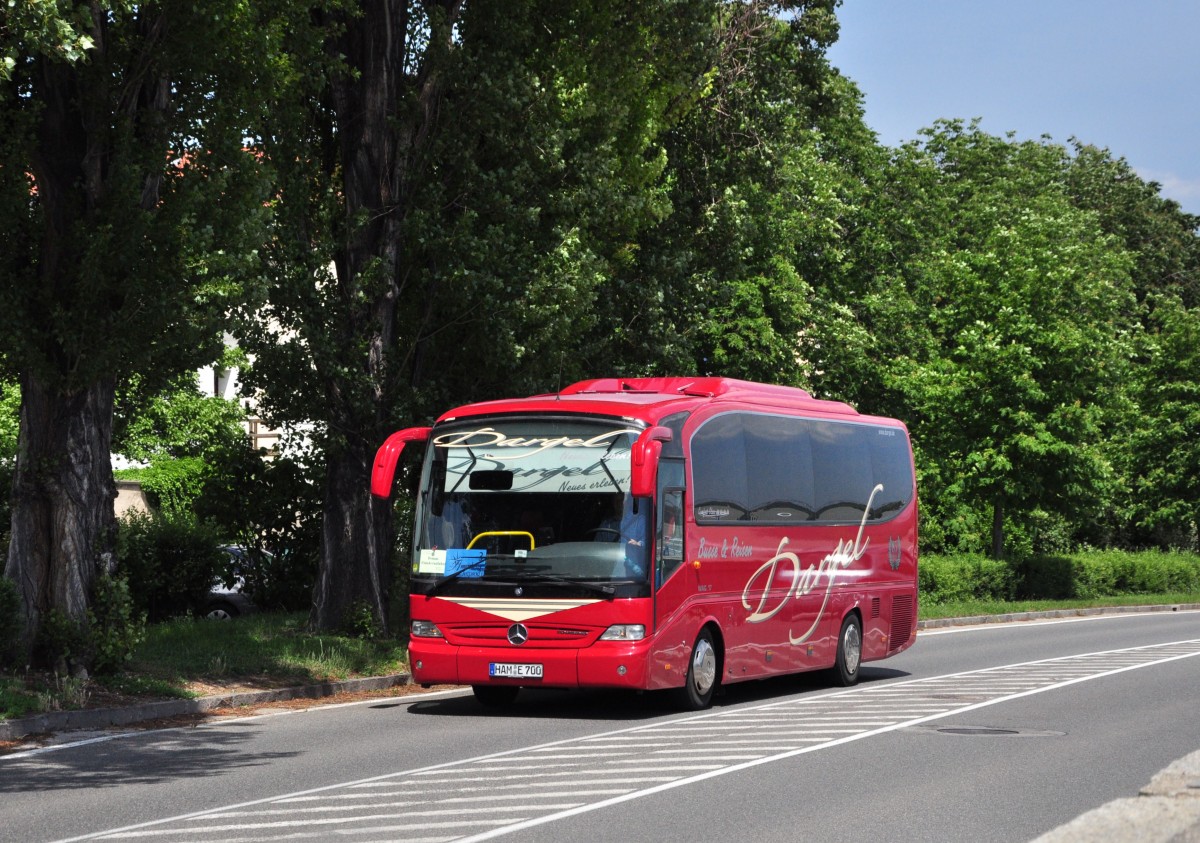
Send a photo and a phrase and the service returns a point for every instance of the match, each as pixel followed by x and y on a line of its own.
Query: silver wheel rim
pixel 852 648
pixel 704 667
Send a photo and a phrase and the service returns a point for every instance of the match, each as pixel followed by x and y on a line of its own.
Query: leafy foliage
pixel 171 564
pixel 271 508
pixel 1087 575
pixel 10 403
pixel 495 198
pixel 1025 333
pixel 115 627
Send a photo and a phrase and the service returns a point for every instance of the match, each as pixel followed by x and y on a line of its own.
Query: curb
pixel 1013 617
pixel 1167 810
pixel 102 718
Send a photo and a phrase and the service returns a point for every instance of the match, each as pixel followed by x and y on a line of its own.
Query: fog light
pixel 621 670
pixel 420 665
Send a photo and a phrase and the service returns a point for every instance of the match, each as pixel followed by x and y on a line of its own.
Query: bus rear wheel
pixel 495 696
pixel 702 674
pixel 849 651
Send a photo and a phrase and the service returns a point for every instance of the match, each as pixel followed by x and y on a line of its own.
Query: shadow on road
pixel 136 758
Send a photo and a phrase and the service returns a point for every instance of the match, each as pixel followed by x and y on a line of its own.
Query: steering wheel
pixel 616 534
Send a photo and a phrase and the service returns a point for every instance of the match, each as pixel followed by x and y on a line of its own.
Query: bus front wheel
pixel 849 651
pixel 702 674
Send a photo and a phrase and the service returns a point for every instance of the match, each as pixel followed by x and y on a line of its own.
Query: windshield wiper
pixel 604 465
pixel 606 591
pixel 439 584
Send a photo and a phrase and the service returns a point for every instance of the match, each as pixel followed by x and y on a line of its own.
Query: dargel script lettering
pixel 805 581
pixel 489 437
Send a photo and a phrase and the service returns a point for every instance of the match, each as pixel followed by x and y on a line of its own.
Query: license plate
pixel 504 670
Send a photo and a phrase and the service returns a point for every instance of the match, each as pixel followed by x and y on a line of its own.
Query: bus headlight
pixel 624 632
pixel 425 629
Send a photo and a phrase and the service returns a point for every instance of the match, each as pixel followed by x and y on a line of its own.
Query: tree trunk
pixel 355 571
pixel 998 529
pixel 376 145
pixel 63 525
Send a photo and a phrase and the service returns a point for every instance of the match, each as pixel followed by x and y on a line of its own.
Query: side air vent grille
pixel 902 620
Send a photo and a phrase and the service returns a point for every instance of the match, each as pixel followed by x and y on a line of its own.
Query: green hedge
pixel 953 579
pixel 950 579
pixel 171 563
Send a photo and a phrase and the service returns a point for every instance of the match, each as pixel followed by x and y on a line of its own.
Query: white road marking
pixel 654 760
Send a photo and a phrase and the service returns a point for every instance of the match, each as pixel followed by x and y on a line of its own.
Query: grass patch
pixel 263 645
pixel 16 699
pixel 261 650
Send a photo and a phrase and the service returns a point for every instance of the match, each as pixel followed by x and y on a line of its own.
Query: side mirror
pixel 645 454
pixel 384 470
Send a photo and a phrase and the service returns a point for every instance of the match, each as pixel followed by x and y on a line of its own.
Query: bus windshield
pixel 531 499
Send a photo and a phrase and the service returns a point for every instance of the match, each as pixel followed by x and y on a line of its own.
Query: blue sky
pixel 1121 74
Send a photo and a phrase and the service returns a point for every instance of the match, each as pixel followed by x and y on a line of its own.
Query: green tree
pixel 45 27
pixel 727 283
pixel 128 206
pixel 188 441
pixel 1029 309
pixel 1154 440
pixel 1160 236
pixel 453 180
pixel 1164 444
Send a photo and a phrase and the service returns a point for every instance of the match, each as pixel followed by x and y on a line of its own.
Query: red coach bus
pixel 657 533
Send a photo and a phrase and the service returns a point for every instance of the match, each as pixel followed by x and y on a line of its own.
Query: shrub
pixel 115 627
pixel 951 579
pixel 1152 572
pixel 171 564
pixel 1045 578
pixel 102 644
pixel 359 621
pixel 273 508
pixel 61 642
pixel 1093 576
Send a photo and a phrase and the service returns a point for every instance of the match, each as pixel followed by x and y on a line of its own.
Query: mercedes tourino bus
pixel 657 533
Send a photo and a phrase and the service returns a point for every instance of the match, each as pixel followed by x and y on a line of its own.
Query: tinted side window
pixel 719 469
pixel 778 469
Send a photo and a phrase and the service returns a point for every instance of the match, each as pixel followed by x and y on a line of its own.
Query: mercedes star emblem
pixel 518 634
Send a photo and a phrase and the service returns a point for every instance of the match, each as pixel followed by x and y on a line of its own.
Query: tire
pixel 495 696
pixel 849 651
pixel 220 611
pixel 703 674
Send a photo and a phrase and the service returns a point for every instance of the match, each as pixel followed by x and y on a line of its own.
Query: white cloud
pixel 1185 191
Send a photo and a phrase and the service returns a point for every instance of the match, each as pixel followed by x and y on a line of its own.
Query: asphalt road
pixel 995 733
